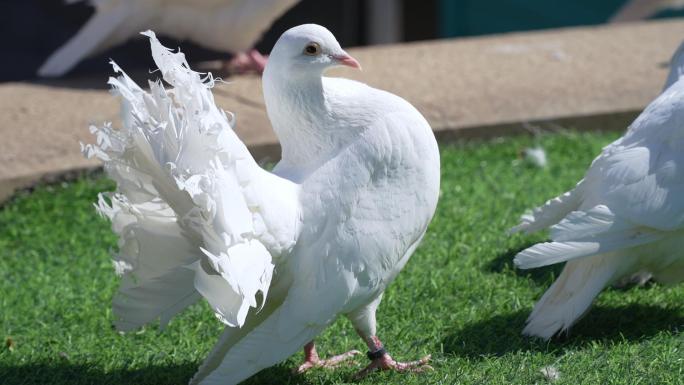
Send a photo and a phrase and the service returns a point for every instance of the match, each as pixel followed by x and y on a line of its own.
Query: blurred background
pixel 32 29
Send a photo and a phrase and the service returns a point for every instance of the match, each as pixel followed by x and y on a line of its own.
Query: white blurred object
pixel 223 25
pixel 536 156
pixel 624 220
pixel 278 256
pixel 550 373
pixel 635 10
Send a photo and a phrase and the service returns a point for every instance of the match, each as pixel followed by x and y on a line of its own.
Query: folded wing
pixel 631 195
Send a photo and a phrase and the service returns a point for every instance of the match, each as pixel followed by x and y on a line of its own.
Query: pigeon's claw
pixel 246 62
pixel 386 362
pixel 329 363
pixel 311 359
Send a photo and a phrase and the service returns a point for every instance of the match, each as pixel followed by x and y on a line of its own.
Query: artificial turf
pixel 459 298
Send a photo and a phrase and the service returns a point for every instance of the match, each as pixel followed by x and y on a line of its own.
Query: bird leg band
pixel 376 354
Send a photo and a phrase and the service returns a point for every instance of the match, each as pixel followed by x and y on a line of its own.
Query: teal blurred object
pixel 480 17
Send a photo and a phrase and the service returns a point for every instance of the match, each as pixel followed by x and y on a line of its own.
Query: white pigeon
pixel 634 10
pixel 624 219
pixel 222 25
pixel 278 255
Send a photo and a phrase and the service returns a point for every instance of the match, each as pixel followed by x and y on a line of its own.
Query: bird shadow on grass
pixel 77 374
pixel 503 263
pixel 501 334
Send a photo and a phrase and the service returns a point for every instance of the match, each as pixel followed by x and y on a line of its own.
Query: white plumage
pixel 625 217
pixel 222 25
pixel 676 67
pixel 321 236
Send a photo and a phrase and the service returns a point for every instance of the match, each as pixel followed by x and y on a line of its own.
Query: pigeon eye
pixel 312 49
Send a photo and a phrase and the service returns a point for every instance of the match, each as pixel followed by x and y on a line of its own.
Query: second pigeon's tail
pixel 180 207
pixel 598 247
pixel 569 297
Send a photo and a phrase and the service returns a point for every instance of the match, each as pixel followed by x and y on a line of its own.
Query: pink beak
pixel 348 61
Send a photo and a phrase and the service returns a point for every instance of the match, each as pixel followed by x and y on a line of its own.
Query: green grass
pixel 459 298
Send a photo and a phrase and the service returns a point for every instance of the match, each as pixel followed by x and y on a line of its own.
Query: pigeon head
pixel 298 105
pixel 308 50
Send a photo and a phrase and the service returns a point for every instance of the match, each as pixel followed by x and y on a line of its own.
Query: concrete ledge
pixel 583 78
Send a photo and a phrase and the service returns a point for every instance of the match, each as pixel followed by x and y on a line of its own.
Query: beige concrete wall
pixel 585 78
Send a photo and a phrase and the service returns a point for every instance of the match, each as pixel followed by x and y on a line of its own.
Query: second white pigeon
pixel 624 219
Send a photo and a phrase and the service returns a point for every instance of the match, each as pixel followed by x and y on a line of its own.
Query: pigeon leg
pixel 245 62
pixel 381 360
pixel 363 320
pixel 258 60
pixel 311 359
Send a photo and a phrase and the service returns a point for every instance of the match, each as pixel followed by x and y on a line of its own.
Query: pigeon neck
pixel 298 112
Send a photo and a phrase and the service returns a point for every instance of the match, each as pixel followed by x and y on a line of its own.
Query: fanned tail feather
pixel 153 252
pixel 180 209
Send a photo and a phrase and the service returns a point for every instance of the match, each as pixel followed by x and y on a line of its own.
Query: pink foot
pixel 381 360
pixel 311 359
pixel 386 362
pixel 246 62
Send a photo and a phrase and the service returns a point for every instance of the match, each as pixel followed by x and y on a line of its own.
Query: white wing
pixel 550 213
pixel 223 25
pixel 194 211
pixel 634 186
pixel 641 175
